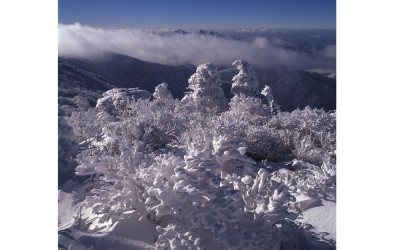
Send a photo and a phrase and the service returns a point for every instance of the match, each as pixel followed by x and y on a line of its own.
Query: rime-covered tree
pixel 161 92
pixel 163 97
pixel 269 99
pixel 206 93
pixel 245 82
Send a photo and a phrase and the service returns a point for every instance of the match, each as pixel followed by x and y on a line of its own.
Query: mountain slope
pixel 75 76
pixel 128 72
pixel 297 88
pixel 291 88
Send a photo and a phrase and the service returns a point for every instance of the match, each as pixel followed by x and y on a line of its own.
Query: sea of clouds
pixel 76 40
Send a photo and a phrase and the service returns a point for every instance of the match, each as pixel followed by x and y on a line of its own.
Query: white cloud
pixel 329 51
pixel 261 42
pixel 83 41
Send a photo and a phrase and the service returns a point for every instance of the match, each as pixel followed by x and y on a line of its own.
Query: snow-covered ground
pixel 318 219
pixel 320 213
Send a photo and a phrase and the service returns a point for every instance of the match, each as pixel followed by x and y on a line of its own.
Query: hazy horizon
pixel 244 29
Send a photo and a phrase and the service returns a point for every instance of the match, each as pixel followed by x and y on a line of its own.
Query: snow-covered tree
pixel 161 92
pixel 206 92
pixel 269 99
pixel 245 82
pixel 247 100
pixel 163 97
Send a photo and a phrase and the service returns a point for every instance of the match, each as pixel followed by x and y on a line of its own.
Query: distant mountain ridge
pixel 211 33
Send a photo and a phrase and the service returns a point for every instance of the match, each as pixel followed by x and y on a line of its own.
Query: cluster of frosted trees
pixel 200 166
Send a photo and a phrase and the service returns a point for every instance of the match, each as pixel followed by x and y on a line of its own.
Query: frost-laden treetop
pixel 245 82
pixel 206 93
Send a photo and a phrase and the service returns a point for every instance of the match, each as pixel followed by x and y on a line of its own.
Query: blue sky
pixel 199 14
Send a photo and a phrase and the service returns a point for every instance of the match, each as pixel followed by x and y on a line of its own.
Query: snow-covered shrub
pixel 309 176
pixel 65 110
pixel 82 102
pixel 67 105
pixel 309 179
pixel 116 194
pixel 196 126
pixel 88 125
pixel 116 101
pixel 249 109
pixel 206 93
pixel 311 133
pixel 165 125
pixel 152 122
pixel 214 187
pixel 245 121
pixel 131 140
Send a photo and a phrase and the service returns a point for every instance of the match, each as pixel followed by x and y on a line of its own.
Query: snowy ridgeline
pixel 201 172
